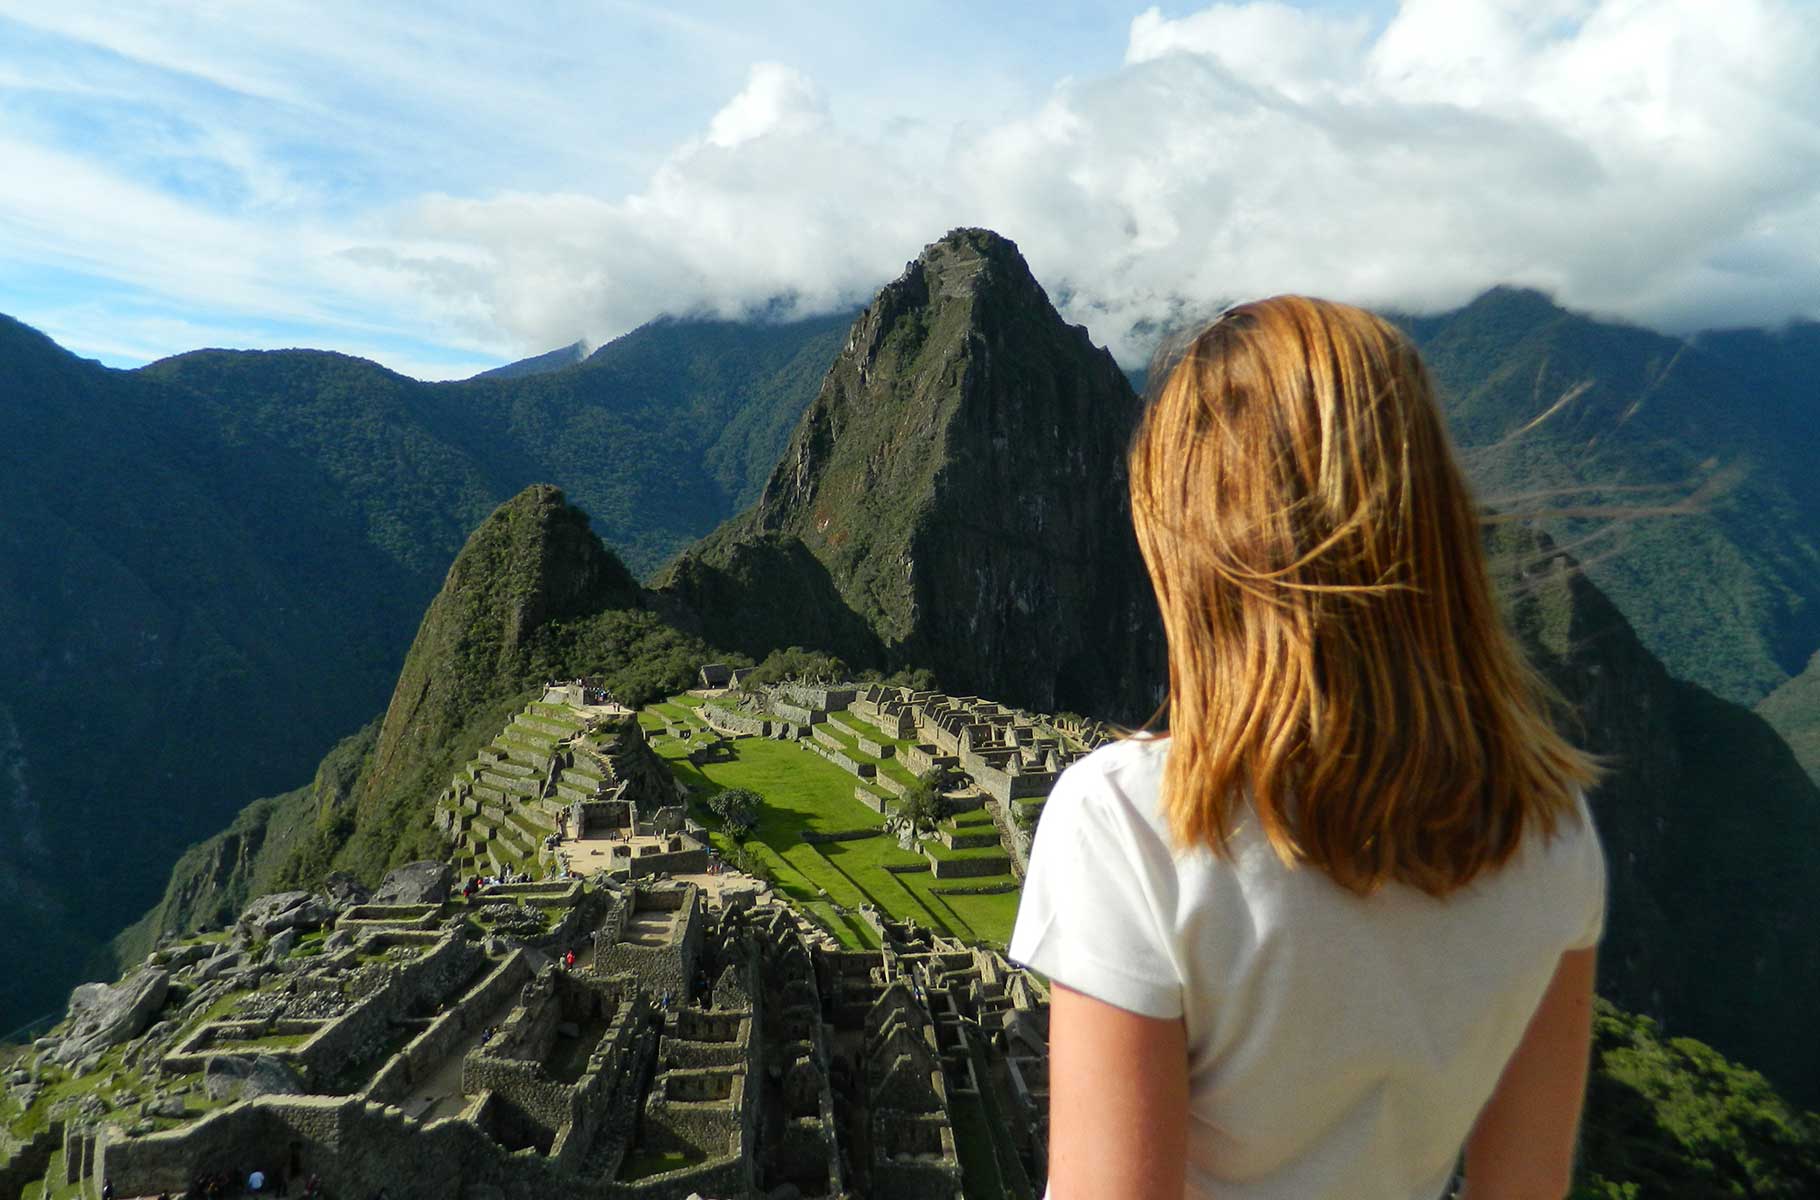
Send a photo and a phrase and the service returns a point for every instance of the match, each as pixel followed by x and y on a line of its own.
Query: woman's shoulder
pixel 1118 784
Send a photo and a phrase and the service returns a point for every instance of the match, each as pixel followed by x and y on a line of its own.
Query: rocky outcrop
pixel 281 911
pixel 102 1015
pixel 246 1077
pixel 958 491
pixel 423 882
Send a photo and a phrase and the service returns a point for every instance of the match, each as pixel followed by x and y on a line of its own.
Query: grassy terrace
pixel 848 739
pixel 805 793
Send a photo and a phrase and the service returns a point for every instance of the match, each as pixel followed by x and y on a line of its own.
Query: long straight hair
pixel 1337 660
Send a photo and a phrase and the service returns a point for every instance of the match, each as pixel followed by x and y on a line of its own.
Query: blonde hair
pixel 1336 655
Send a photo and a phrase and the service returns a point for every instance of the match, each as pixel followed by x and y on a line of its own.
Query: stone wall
pixel 696 1110
pixel 738 724
pixel 668 969
pixel 825 696
pixel 357 1147
pixel 415 987
pixel 842 760
pixel 29 1162
pixel 429 1049
pixel 798 714
pixel 670 862
pixel 923 757
pixel 966 868
pixel 727 1175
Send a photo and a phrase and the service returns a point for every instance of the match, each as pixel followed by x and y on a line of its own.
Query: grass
pixel 805 793
pixel 643 1164
pixel 276 1041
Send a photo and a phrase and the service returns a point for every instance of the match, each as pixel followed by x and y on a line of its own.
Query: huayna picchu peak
pixel 960 479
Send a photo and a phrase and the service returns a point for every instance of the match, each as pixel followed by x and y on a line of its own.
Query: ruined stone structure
pixel 445 1050
pixel 564 769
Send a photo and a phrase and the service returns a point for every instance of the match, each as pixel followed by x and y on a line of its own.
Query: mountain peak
pixel 964 453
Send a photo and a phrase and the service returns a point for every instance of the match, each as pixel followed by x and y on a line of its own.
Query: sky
pixel 446 187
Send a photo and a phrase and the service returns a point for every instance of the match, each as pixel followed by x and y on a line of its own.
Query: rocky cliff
pixel 954 499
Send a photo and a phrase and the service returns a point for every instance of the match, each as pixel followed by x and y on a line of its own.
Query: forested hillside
pixel 210 568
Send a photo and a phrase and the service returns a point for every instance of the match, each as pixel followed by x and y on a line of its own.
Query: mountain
pixel 1709 825
pixel 211 567
pixel 1677 470
pixel 540 364
pixel 953 499
pixel 1794 710
pixel 533 595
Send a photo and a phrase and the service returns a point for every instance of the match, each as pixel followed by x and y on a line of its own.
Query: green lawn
pixel 802 792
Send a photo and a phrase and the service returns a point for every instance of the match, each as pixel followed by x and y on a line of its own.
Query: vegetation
pixel 1672 1118
pixel 964 478
pixel 923 807
pixel 796 664
pixel 533 596
pixel 804 793
pixel 230 552
pixel 737 809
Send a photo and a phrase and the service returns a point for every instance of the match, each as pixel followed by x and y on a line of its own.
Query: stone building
pixel 442 1048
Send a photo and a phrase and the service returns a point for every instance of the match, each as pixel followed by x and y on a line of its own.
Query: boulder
pixel 243 1077
pixel 227 960
pixel 178 957
pixel 101 1015
pixel 173 1107
pixel 272 914
pixel 424 882
pixel 281 944
pixel 341 939
pixel 345 891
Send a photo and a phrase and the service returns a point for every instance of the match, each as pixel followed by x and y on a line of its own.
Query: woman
pixel 1339 922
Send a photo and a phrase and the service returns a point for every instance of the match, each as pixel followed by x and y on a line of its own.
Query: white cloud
pixel 776 99
pixel 1653 159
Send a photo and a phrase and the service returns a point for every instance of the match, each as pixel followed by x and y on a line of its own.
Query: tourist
pixel 1338 924
pixel 568 960
pixel 255 1182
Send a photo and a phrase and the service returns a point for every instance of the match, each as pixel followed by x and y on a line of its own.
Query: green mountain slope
pixel 1668 1118
pixel 1680 478
pixel 959 481
pixel 1708 821
pixel 210 568
pixel 533 595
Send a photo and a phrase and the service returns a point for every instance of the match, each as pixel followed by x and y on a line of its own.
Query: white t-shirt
pixel 1338 1046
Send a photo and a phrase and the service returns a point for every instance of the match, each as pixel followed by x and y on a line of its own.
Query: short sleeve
pixel 1592 865
pixel 1098 898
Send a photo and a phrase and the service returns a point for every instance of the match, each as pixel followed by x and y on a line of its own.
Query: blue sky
pixel 454 186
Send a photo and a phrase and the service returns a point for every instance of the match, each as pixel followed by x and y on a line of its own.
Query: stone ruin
pixel 987 754
pixel 434 1047
pixel 560 774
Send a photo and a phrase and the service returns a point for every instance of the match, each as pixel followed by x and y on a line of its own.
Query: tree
pixel 796 663
pixel 737 809
pixel 916 813
pixel 917 679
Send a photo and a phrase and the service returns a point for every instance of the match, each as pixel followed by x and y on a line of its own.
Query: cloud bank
pixel 1656 160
